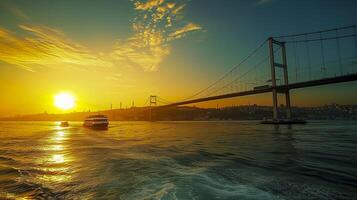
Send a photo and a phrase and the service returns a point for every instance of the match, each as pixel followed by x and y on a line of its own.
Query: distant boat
pixel 64 124
pixel 96 122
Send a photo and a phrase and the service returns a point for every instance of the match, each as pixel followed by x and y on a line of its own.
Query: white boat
pixel 96 121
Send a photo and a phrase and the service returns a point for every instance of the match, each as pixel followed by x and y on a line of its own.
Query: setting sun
pixel 64 101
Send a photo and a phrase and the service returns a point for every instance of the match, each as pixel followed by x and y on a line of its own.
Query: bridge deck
pixel 325 81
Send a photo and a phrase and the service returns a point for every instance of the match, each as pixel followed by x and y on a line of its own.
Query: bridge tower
pixel 152 102
pixel 283 66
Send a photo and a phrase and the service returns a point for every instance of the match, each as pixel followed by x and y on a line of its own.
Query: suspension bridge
pixel 281 64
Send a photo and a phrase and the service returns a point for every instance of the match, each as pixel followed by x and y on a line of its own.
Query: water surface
pixel 178 160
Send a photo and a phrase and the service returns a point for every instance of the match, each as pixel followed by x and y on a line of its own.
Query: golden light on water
pixel 60 135
pixel 64 101
pixel 58 158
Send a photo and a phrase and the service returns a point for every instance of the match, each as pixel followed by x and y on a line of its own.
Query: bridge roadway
pixel 281 88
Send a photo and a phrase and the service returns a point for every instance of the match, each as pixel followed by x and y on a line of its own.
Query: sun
pixel 64 101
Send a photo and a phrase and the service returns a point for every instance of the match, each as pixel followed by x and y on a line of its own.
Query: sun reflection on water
pixel 55 178
pixel 58 158
pixel 60 135
pixel 57 147
pixel 56 166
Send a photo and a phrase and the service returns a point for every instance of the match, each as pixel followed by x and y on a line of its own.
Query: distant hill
pixel 130 114
pixel 246 112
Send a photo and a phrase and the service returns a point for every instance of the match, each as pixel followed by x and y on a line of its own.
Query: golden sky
pixel 46 61
pixel 111 52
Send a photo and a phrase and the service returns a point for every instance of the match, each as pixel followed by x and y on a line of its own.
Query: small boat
pixel 96 122
pixel 64 124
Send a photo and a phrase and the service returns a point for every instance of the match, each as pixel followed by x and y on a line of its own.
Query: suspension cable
pixel 242 76
pixel 308 56
pixel 315 32
pixel 147 101
pixel 229 72
pixel 323 67
pixel 339 52
pixel 319 39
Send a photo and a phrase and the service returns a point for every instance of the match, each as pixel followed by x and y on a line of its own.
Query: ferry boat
pixel 96 122
pixel 64 124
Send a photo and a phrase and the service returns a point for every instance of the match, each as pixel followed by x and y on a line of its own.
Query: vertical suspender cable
pixel 296 63
pixel 355 32
pixel 323 67
pixel 339 52
pixel 308 56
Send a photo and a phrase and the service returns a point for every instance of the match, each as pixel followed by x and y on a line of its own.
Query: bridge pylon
pixel 283 66
pixel 152 102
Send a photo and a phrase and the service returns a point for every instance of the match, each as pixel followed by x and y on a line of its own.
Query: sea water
pixel 179 160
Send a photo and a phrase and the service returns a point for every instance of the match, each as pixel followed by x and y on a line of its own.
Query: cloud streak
pixel 157 23
pixel 179 33
pixel 43 46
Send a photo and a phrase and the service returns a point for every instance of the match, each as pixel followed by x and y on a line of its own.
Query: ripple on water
pixel 185 160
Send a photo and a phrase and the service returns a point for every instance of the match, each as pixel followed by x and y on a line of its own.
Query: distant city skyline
pixel 114 53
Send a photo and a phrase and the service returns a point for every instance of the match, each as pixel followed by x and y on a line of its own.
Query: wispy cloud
pixel 148 5
pixel 154 27
pixel 179 33
pixel 43 46
pixel 114 77
pixel 14 10
pixel 156 24
pixel 19 13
